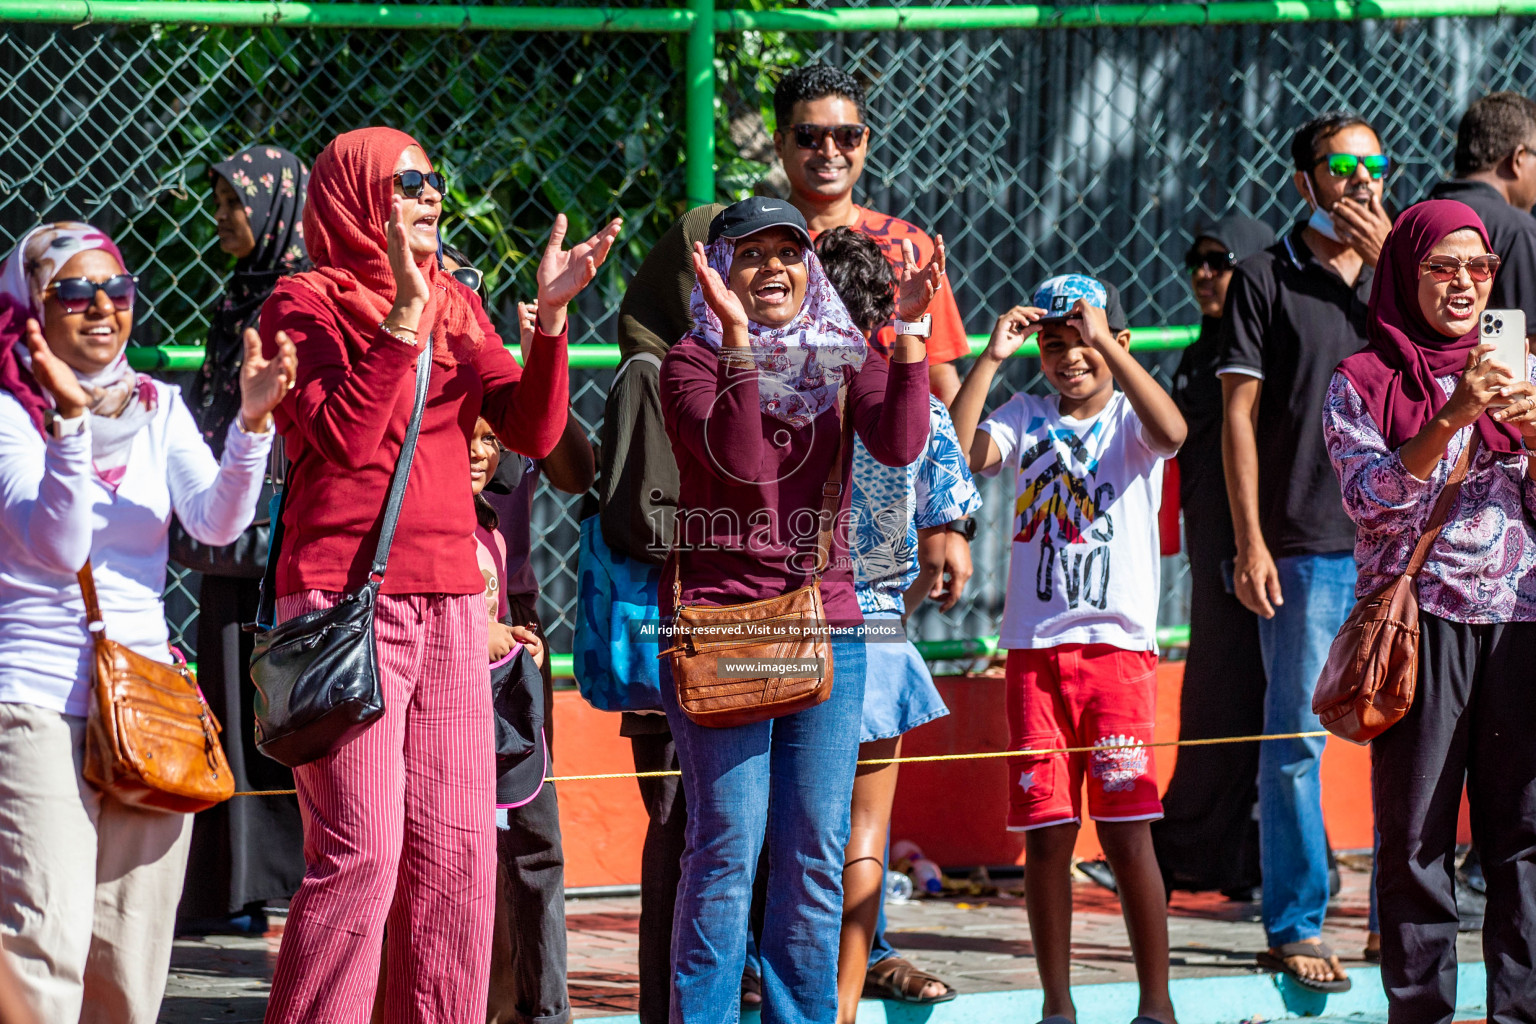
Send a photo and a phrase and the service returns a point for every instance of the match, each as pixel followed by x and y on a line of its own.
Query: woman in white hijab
pixel 94 459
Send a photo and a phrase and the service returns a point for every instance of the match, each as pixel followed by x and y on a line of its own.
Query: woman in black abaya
pixel 250 850
pixel 1209 837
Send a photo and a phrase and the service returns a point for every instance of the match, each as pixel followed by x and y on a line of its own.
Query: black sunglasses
pixel 412 181
pixel 469 277
pixel 76 294
pixel 847 136
pixel 1215 262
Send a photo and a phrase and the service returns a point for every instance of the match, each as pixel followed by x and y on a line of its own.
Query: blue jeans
pixel 791 778
pixel 1319 591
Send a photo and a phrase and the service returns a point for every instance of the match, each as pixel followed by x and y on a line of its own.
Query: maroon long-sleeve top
pixel 343 425
pixel 751 484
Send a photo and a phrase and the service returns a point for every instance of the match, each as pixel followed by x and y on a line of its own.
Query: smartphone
pixel 1506 329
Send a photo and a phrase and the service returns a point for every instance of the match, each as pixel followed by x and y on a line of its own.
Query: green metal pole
pixel 350 15
pixel 182 358
pixel 699 115
pixel 1143 15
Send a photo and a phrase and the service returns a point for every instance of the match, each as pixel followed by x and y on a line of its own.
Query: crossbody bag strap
pixel 402 471
pixel 832 490
pixel 93 619
pixel 831 500
pixel 1443 504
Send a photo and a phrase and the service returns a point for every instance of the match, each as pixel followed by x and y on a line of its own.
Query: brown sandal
pixel 897 979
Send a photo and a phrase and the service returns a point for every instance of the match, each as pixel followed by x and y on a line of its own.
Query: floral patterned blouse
pixel 1480 568
pixel 891 503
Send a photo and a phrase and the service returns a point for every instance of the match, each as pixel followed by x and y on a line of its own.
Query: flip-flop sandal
pixel 897 979
pixel 1312 950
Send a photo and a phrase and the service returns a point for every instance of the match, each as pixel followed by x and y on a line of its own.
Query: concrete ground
pixel 978 942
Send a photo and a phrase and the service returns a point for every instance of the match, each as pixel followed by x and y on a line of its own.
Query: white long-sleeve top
pixel 55 511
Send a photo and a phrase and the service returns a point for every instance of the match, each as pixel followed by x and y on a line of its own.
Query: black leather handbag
pixel 317 675
pixel 244 559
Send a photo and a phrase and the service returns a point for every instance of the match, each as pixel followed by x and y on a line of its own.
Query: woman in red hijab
pixel 397 822
pixel 1398 417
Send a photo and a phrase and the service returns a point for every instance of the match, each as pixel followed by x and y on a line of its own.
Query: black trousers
pixel 250 849
pixel 1473 721
pixel 661 869
pixel 528 965
pixel 1208 837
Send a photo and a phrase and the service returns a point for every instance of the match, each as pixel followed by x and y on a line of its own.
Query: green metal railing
pixel 183 358
pixel 1330 72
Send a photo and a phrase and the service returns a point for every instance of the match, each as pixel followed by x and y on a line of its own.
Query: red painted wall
pixel 954 811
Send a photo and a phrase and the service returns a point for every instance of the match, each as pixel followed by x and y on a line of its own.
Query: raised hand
pixel 563 273
pixel 411 288
pixel 732 314
pixel 915 286
pixel 265 382
pixel 1011 330
pixel 55 375
pixel 527 320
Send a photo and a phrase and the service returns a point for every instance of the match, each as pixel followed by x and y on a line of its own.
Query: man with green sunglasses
pixel 1293 312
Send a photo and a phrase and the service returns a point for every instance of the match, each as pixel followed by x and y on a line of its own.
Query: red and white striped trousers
pixel 399 826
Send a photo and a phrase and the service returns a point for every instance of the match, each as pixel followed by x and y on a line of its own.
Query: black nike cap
pixel 757 213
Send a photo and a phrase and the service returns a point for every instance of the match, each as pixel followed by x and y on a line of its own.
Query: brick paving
pixel 978 943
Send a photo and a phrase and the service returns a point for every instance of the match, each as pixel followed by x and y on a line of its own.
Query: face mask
pixel 1321 220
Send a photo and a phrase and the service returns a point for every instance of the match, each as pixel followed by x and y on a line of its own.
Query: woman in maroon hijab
pixel 1398 416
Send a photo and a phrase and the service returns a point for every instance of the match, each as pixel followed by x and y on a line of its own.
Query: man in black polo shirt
pixel 1496 176
pixel 1293 312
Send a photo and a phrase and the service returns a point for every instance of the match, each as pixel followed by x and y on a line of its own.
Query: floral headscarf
pixel 802 364
pixel 270 181
pixel 122 401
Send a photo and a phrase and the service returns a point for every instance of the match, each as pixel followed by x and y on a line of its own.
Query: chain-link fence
pixel 1032 151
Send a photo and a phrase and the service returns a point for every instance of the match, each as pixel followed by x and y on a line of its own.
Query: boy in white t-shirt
pixel 1080 618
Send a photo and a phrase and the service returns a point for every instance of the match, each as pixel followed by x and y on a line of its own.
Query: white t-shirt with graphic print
pixel 1085 562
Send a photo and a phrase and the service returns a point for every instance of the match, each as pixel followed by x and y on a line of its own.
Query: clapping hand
pixel 527 319
pixel 563 273
pixel 1011 330
pixel 411 288
pixel 265 382
pixel 732 314
pixel 55 375
pixel 916 287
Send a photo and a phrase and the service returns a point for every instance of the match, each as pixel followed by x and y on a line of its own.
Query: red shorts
pixel 1081 695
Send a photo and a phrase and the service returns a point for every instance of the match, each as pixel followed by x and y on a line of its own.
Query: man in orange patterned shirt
pixel 822 141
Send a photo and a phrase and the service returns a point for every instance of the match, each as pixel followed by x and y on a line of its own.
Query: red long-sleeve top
pixel 751 485
pixel 342 428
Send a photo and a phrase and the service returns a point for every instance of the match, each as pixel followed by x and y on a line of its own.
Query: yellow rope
pixel 930 758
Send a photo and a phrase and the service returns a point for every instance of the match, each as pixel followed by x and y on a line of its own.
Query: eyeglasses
pixel 1445 268
pixel 412 181
pixel 847 136
pixel 1215 262
pixel 469 277
pixel 76 294
pixel 1344 165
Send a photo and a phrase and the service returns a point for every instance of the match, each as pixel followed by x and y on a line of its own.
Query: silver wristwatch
pixel 59 428
pixel 922 327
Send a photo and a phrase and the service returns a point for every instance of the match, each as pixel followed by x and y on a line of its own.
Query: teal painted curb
pixel 1229 1000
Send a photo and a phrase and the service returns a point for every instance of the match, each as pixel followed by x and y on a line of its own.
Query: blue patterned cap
pixel 1057 295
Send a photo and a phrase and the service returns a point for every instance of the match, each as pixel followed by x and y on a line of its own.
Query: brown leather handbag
pixel 150 740
pixel 790 626
pixel 1368 683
